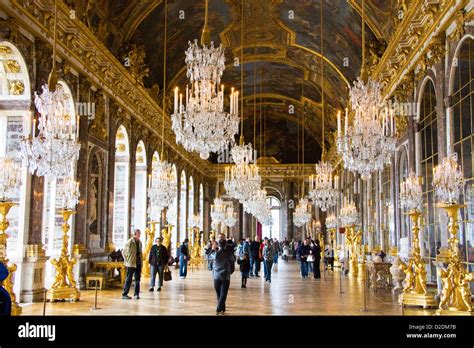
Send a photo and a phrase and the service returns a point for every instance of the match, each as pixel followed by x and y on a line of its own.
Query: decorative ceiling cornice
pixel 78 45
pixel 423 21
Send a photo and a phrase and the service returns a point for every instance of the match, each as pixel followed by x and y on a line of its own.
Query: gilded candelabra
pixel 4 209
pixel 64 286
pixel 456 292
pixel 414 291
pixel 195 249
pixel 166 235
pixel 150 235
pixel 351 241
pixel 360 247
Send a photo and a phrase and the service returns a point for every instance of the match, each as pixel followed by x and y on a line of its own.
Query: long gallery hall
pixel 236 158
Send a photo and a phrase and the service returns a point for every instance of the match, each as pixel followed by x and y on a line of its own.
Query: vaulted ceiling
pixel 281 48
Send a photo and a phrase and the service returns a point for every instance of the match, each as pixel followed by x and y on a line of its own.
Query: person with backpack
pixel 224 266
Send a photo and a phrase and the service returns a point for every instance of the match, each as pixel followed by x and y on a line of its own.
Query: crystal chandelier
pixel 259 207
pixel 242 181
pixel 302 213
pixel 154 212
pixel 448 180
pixel 218 211
pixel 10 179
pixel 194 221
pixel 410 192
pixel 202 125
pixel 331 221
pixel 54 148
pixel 369 143
pixel 348 215
pixel 230 217
pixel 164 187
pixel 164 183
pixel 322 192
pixel 68 193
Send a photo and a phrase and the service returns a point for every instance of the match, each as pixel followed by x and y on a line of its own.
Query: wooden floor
pixel 288 294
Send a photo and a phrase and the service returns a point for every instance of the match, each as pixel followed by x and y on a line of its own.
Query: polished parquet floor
pixel 288 294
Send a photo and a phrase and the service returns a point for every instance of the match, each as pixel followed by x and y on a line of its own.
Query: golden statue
pixel 351 241
pixel 415 292
pixel 150 235
pixel 7 283
pixel 64 285
pixel 456 291
pixel 166 235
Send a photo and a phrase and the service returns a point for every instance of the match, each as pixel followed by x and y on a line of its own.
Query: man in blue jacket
pixel 224 266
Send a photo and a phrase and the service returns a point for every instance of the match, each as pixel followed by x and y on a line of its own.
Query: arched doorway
pixel 273 230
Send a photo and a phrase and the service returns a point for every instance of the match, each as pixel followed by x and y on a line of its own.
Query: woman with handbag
pixel 158 260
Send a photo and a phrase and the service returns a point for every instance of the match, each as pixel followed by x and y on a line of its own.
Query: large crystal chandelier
pixel 202 125
pixel 242 180
pixel 369 143
pixel 68 193
pixel 448 180
pixel 163 189
pixel 302 213
pixel 217 211
pixel 348 215
pixel 10 179
pixel 322 192
pixel 259 207
pixel 331 221
pixel 230 217
pixel 164 183
pixel 410 192
pixel 52 149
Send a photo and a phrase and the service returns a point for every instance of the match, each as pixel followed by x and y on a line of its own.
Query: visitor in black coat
pixel 317 259
pixel 158 260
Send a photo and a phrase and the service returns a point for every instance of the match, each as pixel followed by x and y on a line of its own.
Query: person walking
pixel 224 265
pixel 132 255
pixel 329 257
pixel 268 256
pixel 260 256
pixel 303 252
pixel 158 260
pixel 254 257
pixel 208 251
pixel 286 252
pixel 277 251
pixel 244 269
pixel 183 259
pixel 317 259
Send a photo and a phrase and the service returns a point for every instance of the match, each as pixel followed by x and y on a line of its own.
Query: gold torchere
pixel 166 235
pixel 456 291
pixel 150 235
pixel 335 247
pixel 351 239
pixel 361 267
pixel 414 291
pixel 195 249
pixel 64 286
pixel 8 284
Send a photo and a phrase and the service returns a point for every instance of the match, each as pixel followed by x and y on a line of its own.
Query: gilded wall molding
pixel 412 40
pixel 78 45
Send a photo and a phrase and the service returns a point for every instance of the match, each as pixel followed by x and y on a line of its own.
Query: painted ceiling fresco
pixel 281 42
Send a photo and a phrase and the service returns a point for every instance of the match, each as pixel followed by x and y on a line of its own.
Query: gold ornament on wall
pixel 16 87
pixel 12 66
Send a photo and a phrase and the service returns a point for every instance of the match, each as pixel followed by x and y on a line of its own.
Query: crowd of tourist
pixel 222 255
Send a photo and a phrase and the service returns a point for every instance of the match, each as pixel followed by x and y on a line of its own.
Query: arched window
pixel 201 206
pixel 121 188
pixel 463 126
pixel 182 208
pixel 15 101
pixel 429 159
pixel 172 217
pixel 52 236
pixel 139 204
pixel 273 230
